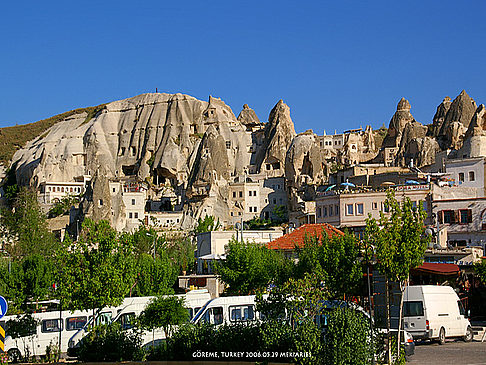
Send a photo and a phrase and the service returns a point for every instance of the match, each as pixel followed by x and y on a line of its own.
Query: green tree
pixel 400 242
pixel 336 259
pixel 250 267
pixel 480 270
pixel 182 252
pixel 207 224
pixel 63 206
pixel 26 227
pixel 154 276
pixel 98 270
pixel 165 313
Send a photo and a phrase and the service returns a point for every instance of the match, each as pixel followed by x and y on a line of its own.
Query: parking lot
pixel 452 352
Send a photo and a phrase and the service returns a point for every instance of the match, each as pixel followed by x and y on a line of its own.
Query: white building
pixel 211 245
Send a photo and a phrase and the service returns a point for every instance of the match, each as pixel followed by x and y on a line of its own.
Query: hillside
pixel 15 138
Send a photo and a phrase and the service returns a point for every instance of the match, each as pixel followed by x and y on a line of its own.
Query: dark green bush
pixel 110 343
pixel 348 338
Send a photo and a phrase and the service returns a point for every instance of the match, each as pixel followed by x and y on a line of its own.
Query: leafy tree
pixel 23 327
pixel 27 231
pixel 164 312
pixel 400 242
pixel 63 206
pixel 207 224
pixel 480 270
pixel 280 214
pixel 182 253
pixel 336 259
pixel 250 267
pixel 28 279
pixel 154 276
pixel 98 270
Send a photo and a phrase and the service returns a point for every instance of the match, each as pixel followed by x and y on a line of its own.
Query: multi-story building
pixel 211 245
pixel 349 208
pixel 133 196
pixel 255 196
pixel 51 192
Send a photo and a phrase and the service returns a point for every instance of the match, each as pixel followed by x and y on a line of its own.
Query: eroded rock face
pixel 440 116
pixel 397 124
pixel 456 121
pixel 248 116
pixel 278 136
pixel 303 163
pixel 176 142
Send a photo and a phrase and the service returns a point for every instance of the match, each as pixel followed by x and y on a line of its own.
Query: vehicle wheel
pixel 14 355
pixel 468 337
pixel 442 336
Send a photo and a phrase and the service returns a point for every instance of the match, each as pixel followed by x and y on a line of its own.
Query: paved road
pixel 452 352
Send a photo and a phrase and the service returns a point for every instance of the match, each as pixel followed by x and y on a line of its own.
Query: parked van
pixel 227 310
pixel 51 327
pixel 132 308
pixel 435 312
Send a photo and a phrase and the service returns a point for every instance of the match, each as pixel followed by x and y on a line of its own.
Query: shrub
pixel 110 343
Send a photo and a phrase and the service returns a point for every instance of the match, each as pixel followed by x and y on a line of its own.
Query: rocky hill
pixel 179 146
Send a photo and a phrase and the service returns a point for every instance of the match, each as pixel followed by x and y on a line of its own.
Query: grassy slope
pixel 14 138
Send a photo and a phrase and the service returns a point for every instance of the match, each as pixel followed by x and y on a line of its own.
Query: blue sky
pixel 338 65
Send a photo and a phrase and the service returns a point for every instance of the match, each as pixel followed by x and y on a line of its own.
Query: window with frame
pixel 234 194
pixel 213 315
pixel 359 209
pixel 448 216
pixel 319 212
pixel 51 325
pixel 242 313
pixel 461 176
pixel 336 209
pixel 75 323
pixel 465 216
pixel 228 144
pixel 241 194
pixel 324 213
pixel 127 320
pixel 133 201
pixel 349 209
pixel 471 176
pixel 374 206
pixel 330 211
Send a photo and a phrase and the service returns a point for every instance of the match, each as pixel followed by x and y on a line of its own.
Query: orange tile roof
pixel 296 237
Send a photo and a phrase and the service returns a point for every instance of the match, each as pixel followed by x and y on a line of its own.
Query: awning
pixel 437 268
pixel 213 256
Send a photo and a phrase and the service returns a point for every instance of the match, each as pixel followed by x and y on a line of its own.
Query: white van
pixel 227 310
pixel 435 312
pixel 51 327
pixel 132 308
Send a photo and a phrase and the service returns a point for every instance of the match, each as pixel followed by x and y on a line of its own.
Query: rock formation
pixel 248 117
pixel 456 121
pixel 397 124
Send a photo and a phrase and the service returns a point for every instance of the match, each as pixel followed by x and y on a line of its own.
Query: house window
pixel 448 216
pixel 241 194
pixel 359 209
pixel 136 215
pixel 228 144
pixel 234 194
pixel 349 209
pixel 100 202
pixel 330 211
pixel 461 176
pixel 336 209
pixel 471 176
pixel 130 215
pixel 324 213
pixel 319 212
pixel 114 189
pixel 465 216
pixel 374 206
pixel 133 201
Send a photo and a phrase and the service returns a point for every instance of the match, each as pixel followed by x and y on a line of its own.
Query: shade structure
pixel 438 268
pixel 412 182
pixel 330 187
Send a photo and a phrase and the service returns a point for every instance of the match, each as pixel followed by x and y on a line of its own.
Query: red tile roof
pixel 438 268
pixel 296 237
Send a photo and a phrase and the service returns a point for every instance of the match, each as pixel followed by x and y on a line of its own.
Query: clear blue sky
pixel 338 65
